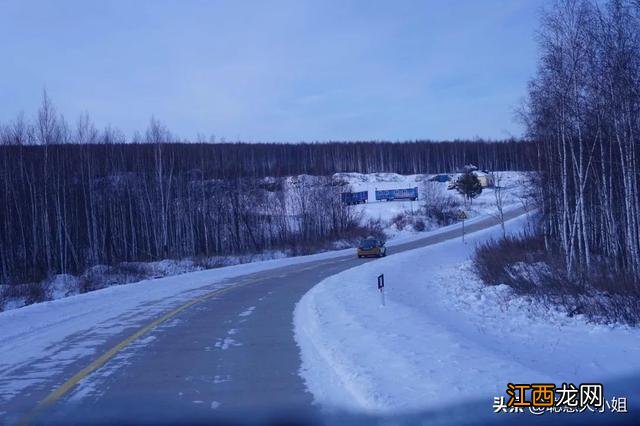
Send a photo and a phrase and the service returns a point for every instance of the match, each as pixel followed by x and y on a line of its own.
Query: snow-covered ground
pixel 66 285
pixel 443 337
pixel 40 340
pixel 513 185
pixel 32 337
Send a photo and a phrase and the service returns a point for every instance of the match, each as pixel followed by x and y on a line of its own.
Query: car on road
pixel 371 247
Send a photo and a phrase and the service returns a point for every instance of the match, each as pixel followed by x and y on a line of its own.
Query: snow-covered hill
pixel 514 186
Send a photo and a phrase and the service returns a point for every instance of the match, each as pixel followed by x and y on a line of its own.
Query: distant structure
pixel 485 178
pixel 354 197
pixel 397 194
pixel 440 178
pixel 468 168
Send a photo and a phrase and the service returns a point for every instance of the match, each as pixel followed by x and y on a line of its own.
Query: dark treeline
pixel 76 197
pixel 235 160
pixel 584 109
pixel 226 160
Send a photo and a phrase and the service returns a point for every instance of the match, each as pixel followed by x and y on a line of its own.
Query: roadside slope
pixel 442 337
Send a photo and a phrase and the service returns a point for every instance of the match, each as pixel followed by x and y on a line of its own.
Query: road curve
pixel 230 356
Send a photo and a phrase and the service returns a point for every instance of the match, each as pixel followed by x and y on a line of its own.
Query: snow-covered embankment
pixel 443 337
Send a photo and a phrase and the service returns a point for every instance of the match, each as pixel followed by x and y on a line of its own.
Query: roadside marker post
pixel 462 216
pixel 381 287
pixel 463 230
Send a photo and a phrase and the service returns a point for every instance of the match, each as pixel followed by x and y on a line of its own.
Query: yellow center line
pixel 63 389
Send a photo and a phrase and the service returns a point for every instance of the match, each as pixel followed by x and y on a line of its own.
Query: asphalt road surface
pixel 230 357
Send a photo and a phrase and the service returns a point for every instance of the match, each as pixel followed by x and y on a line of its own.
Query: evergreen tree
pixel 469 185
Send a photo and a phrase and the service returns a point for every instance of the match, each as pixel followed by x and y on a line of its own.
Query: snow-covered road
pixel 216 348
pixel 44 344
pixel 443 338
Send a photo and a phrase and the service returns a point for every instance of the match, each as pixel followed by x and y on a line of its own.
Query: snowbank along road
pixel 171 352
pixel 444 339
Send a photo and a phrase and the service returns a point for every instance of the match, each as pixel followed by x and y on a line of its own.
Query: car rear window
pixel 368 244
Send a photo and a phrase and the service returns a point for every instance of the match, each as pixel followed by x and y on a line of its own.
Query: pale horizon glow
pixel 274 71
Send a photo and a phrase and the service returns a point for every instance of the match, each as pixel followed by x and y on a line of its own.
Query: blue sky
pixel 274 70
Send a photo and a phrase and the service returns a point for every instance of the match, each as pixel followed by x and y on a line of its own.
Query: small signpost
pixel 462 216
pixel 381 287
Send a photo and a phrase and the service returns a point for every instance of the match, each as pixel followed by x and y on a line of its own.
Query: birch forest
pixel 74 196
pixel 583 111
